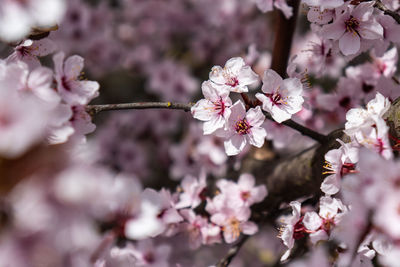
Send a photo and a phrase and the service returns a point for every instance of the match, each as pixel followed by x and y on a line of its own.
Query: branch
pixel 320 138
pixel 379 5
pixel 232 252
pixel 95 109
pixel 284 32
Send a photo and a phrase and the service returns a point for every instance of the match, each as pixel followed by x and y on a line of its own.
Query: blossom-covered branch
pixel 95 109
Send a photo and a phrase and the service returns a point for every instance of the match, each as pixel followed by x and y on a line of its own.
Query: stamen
pixel 242 127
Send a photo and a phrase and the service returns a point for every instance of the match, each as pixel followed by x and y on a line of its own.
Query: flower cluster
pixel 235 123
pixel 30 99
pixel 228 212
pixel 361 173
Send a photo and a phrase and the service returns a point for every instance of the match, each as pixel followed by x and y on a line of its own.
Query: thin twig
pixel 284 32
pixel 379 5
pixel 320 138
pixel 95 109
pixel 232 252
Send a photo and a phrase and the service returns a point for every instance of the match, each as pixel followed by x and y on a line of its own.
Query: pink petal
pixel 349 43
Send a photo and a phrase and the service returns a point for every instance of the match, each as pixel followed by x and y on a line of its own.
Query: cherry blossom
pixel 292 229
pixel 29 51
pixel 242 128
pixel 234 222
pixel 23 123
pixel 324 4
pixel 331 211
pixel 267 5
pixel 192 191
pixel 351 27
pixel 235 76
pixel 339 163
pixel 281 98
pixel 72 90
pixel 244 192
pixel 214 109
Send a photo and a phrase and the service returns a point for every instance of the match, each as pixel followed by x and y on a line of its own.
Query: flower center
pixel 234 227
pixel 347 168
pixel 242 127
pixel 299 229
pixel 149 257
pixel 328 224
pixel 276 98
pixel 65 83
pixel 245 195
pixel 345 102
pixel 232 81
pixel 220 106
pixel 352 25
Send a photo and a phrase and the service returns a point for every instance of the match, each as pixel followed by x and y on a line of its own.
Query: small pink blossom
pixel 214 109
pixel 70 87
pixel 244 192
pixel 340 162
pixel 281 98
pixel 319 15
pixel 29 51
pixel 23 122
pixel 233 222
pixel 235 76
pixel 267 5
pixel 331 211
pixel 199 230
pixel 292 229
pixel 193 191
pixel 367 126
pixel 242 128
pixel 352 26
pixel 324 4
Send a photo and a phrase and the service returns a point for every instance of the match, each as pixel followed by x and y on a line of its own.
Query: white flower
pixel 235 76
pixel 214 109
pixel 281 98
pixel 243 127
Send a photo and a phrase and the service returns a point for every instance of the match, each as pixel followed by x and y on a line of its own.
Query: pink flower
pixel 37 82
pixel 293 228
pixel 29 51
pixel 70 87
pixel 331 211
pixel 144 253
pixel 320 16
pixel 235 76
pixel 82 122
pixel 267 5
pixel 214 109
pixel 352 25
pixel 199 230
pixel 244 192
pixel 167 212
pixel 193 191
pixel 367 127
pixel 340 162
pixel 243 127
pixel 23 122
pixel 324 4
pixel 171 80
pixel 233 222
pixel 281 98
